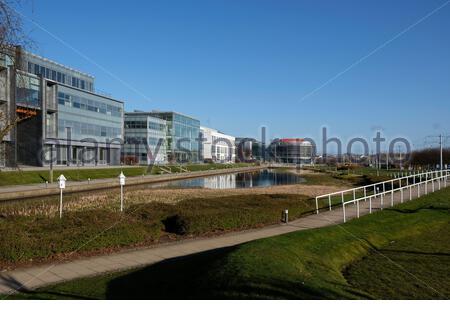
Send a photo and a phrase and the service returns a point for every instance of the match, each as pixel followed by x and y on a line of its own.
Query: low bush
pixel 176 224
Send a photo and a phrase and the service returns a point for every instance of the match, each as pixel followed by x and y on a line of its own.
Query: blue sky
pixel 238 65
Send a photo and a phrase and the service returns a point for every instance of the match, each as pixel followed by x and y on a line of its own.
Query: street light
pixel 51 163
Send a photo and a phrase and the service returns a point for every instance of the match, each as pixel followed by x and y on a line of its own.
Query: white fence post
pixel 413 180
pixel 317 205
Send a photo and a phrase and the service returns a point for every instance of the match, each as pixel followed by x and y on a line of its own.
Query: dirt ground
pixel 175 195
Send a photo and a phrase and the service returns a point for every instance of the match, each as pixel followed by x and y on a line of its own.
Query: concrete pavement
pixel 34 277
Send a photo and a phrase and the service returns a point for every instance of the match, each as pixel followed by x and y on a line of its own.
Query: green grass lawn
pixel 400 253
pixel 30 238
pixel 28 177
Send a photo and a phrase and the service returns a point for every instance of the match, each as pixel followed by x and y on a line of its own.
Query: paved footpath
pixel 34 277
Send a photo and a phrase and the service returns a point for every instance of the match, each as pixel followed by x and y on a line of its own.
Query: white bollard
pixel 343 211
pixel 357 208
pixel 62 186
pixel 122 183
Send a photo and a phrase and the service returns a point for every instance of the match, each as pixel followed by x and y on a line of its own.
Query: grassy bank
pixel 8 178
pixel 338 262
pixel 24 239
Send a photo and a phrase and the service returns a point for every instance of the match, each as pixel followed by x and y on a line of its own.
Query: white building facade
pixel 217 146
pixel 145 139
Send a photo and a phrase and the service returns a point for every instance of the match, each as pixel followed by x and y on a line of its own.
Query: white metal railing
pixel 380 189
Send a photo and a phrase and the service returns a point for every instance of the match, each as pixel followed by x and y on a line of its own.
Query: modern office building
pixel 62 117
pixel 296 151
pixel 183 133
pixel 248 150
pixel 217 146
pixel 145 139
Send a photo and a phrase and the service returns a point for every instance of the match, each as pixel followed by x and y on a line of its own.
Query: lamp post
pixel 51 163
pixel 62 185
pixel 122 183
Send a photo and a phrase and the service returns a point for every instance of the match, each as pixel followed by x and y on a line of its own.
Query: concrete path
pixel 35 277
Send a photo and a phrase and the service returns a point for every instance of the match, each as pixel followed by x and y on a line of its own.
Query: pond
pixel 257 179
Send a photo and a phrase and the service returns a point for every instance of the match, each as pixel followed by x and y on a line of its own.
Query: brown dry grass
pixel 109 199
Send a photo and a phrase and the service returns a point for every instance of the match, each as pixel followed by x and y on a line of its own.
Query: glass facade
pixel 183 137
pixel 89 104
pixel 88 116
pixel 58 73
pixel 64 115
pixel 145 139
pixel 295 151
pixel 28 90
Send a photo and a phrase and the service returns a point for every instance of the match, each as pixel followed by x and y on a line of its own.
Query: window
pixel 136 124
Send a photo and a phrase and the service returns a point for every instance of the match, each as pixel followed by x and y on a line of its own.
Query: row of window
pixel 223 141
pixel 142 140
pixel 87 104
pixel 80 128
pixel 136 124
pixel 156 126
pixel 219 149
pixel 60 77
pixel 186 120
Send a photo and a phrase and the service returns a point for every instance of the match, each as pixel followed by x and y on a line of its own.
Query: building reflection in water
pixel 263 178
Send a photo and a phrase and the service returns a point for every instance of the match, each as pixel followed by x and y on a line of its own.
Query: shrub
pixel 176 224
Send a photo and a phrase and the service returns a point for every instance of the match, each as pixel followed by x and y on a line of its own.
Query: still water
pixel 257 179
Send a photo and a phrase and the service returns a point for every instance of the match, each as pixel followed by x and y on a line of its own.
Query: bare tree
pixel 12 40
pixel 429 157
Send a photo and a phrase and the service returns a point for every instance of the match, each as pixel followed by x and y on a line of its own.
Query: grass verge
pixel 25 239
pixel 338 262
